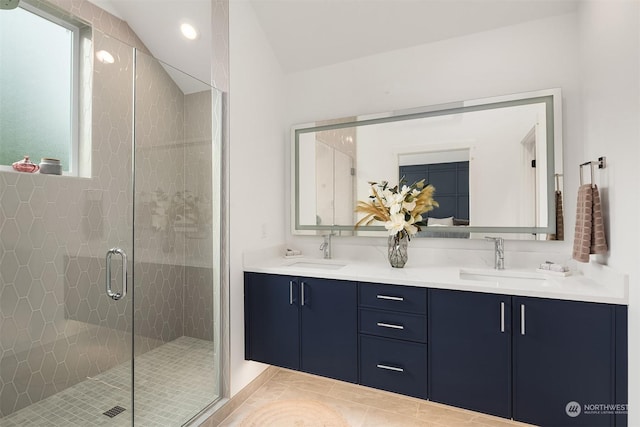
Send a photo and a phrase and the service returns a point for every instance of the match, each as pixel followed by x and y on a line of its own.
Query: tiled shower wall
pixel 57 325
pixel 173 205
pixel 50 226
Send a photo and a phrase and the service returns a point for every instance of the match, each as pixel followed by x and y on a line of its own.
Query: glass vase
pixel 397 247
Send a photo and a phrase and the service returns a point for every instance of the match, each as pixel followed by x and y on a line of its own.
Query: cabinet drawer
pixel 403 326
pixel 392 365
pixel 408 299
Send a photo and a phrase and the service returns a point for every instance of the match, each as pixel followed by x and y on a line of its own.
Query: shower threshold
pixel 173 383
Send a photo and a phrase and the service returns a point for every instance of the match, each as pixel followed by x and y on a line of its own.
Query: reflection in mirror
pixel 329 158
pixel 493 163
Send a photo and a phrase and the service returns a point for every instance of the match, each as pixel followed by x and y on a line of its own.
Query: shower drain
pixel 114 411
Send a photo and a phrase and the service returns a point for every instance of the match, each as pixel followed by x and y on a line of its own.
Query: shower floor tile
pixel 173 383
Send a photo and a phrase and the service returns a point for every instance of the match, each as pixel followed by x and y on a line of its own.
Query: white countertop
pixel 596 283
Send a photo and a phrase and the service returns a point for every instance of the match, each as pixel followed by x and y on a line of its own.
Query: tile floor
pixel 173 383
pixel 296 399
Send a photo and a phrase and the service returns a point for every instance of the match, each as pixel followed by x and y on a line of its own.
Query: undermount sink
pixel 317 265
pixel 503 277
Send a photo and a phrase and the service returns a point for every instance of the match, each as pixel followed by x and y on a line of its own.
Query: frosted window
pixel 36 78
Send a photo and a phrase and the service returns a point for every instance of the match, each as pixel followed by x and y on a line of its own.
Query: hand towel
pixel 598 237
pixel 559 234
pixel 589 233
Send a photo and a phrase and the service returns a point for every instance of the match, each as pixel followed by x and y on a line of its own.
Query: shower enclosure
pixel 109 281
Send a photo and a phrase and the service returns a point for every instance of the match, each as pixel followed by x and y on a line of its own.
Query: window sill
pixel 9 169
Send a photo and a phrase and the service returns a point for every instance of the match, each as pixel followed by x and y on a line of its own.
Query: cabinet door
pixel 469 342
pixel 563 353
pixel 271 320
pixel 329 321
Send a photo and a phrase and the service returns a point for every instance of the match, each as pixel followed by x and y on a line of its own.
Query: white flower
pixel 388 198
pixel 395 208
pixel 396 224
pixel 394 199
pixel 409 206
pixel 409 227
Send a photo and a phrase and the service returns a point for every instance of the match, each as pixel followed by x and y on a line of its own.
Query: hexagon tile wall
pixel 58 327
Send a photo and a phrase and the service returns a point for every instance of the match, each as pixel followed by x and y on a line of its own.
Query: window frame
pixel 74 144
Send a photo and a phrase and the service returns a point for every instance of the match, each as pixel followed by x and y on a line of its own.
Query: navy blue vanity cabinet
pixel 271 319
pixel 329 328
pixel 564 355
pixel 306 324
pixel 393 337
pixel 470 350
pixel 622 365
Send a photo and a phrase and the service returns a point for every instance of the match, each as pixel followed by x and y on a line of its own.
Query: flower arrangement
pixel 400 207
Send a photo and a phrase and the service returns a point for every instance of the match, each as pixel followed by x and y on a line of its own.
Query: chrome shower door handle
pixel 116 295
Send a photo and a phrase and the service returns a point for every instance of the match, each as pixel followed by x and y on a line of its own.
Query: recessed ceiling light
pixel 188 31
pixel 105 57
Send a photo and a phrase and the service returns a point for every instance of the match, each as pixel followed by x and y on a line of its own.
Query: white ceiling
pixel 306 34
pixel 157 24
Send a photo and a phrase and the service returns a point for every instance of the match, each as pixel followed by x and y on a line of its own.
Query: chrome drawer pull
pixel 291 292
pixel 390 368
pixel 390 297
pixel 502 317
pixel 389 325
pixel 522 327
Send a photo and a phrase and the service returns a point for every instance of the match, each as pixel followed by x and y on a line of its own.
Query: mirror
pixel 496 165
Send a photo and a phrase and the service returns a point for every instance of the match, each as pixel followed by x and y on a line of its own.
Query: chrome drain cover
pixel 114 411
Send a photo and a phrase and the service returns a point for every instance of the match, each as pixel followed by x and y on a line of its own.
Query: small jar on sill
pixel 50 166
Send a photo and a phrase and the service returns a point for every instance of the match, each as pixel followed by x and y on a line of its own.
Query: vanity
pixel 516 344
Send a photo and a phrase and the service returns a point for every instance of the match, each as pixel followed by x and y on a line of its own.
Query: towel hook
pixel 601 162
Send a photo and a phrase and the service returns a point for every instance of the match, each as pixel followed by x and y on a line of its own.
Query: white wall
pixel 257 165
pixel 611 105
pixel 537 55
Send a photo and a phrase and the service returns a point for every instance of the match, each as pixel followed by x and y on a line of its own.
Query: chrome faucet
pixel 499 252
pixel 325 247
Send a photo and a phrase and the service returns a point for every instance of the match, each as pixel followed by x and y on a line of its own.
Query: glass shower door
pixel 115 272
pixel 177 142
pixel 65 330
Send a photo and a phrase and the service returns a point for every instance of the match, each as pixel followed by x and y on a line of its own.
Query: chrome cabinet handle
pixel 291 292
pixel 389 325
pixel 116 295
pixel 522 316
pixel 302 294
pixel 390 368
pixel 390 298
pixel 502 317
